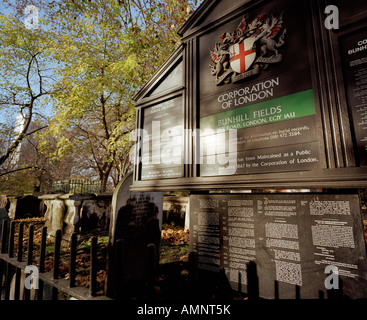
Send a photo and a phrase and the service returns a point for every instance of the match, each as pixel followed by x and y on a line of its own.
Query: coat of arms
pixel 252 47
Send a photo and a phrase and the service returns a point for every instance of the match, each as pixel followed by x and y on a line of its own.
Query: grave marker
pixel 137 220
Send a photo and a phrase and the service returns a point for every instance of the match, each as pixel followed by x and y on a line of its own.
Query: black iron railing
pixel 77 186
pixel 14 267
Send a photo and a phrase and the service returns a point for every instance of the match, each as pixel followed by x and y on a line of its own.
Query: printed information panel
pixel 162 140
pixel 294 240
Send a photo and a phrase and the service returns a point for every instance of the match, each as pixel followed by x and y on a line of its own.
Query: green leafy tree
pixel 101 52
pixel 107 50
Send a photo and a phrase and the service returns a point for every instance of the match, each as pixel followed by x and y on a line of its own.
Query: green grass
pixel 173 253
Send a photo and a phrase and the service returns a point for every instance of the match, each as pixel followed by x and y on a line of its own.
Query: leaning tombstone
pixel 136 221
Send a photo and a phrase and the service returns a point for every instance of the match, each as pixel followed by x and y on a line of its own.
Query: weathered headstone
pixel 137 219
pixel 95 214
pixel 3 211
pixel 81 213
pixel 175 209
pixel 3 207
pixel 4 202
pixel 72 218
pixel 24 207
pixel 54 214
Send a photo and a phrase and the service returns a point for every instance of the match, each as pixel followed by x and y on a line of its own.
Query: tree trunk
pixel 19 139
pixel 104 180
pixel 104 173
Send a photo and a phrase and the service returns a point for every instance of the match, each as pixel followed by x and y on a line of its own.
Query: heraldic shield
pixel 243 54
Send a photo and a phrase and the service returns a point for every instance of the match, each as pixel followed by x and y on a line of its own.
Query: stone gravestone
pixel 3 207
pixel 54 214
pixel 95 214
pixel 137 219
pixel 3 211
pixel 25 207
pixel 86 213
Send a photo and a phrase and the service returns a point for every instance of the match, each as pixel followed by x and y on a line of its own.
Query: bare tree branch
pixel 21 169
pixel 41 128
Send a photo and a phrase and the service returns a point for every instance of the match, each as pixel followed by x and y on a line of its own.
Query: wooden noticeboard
pixel 259 95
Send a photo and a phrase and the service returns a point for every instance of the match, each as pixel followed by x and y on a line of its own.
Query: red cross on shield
pixel 243 55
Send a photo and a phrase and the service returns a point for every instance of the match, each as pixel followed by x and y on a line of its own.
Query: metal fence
pixel 50 286
pixel 77 186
